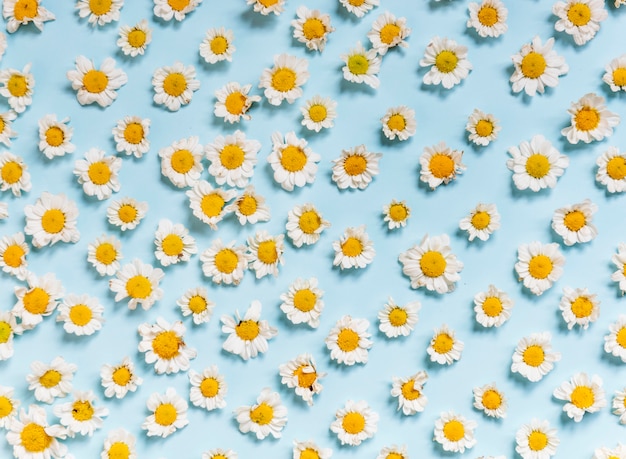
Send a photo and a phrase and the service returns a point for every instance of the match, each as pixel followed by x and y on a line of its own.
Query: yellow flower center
pixel 262 414
pixel 13 256
pixel 352 247
pixel 304 300
pixel 574 220
pixel 212 204
pixel 218 456
pixel 537 440
pixel 80 314
pixel 347 340
pixel 395 456
pixel 99 173
pixel 36 300
pixel 219 45
pixel 138 287
pixel 247 205
pixel 95 81
pixel 353 422
pixel 454 430
pixel 398 212
pixel 441 165
pixel 318 113
pixel 481 220
pixel 582 307
pixel 358 64
pixel 443 343
pixel 313 28
pixel 209 387
pixel 389 33
pixel 587 119
pixel 284 79
pixel 620 337
pixel 582 397
pixel 267 252
pixel 118 450
pixel 11 172
pixel 5 332
pixel 396 122
pixel 17 85
pixel 292 158
pixel 579 14
pixel 484 128
pixel 100 7
pixel 619 76
pixel 540 266
pixel 356 2
pixel 106 253
pixel 34 438
pixel 446 61
pixel 226 261
pixel 197 304
pixel 133 133
pixel 172 245
pixel 3 125
pixel 433 264
pixel 247 330
pixel 165 414
pixel 533 65
pixel 355 165
pixel 232 156
pixel 167 344
pixel 309 222
pixel 492 306
pixel 137 38
pixel 82 410
pixel 408 390
pixel 178 5
pixel 236 103
pixel 50 379
pixel 25 9
pixel 492 400
pixel 537 165
pixel 121 376
pixel 309 454
pixel 616 168
pixel 398 316
pixel 175 84
pixel 488 16
pixel 6 406
pixel 305 379
pixel 182 161
pixel 533 355
pixel 127 213
pixel 54 136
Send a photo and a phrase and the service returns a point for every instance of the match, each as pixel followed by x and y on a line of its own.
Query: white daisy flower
pixel 8 329
pixel 539 265
pixel 118 380
pixel 99 12
pixel 208 388
pixel 8 406
pixel 174 9
pixel 267 417
pixel 440 165
pixel 121 443
pixel 454 432
pixel 131 136
pixel 619 260
pixel 393 452
pixel 220 453
pixel 482 127
pixel 618 452
pixel 410 393
pixel 294 164
pixel 482 221
pixel 195 302
pixel 38 300
pixel 536 164
pixel 249 207
pixel 318 113
pixel 396 214
pixel 303 302
pixel 355 168
pixel 490 400
pixel 619 407
pixel 574 223
pixel 14 175
pixel 217 45
pixel 579 307
pixel 305 225
pixel 355 422
pixel 612 170
pixel 13 251
pixel 590 120
pixel 139 282
pixel 533 357
pixel 18 13
pixel 55 137
pixel 174 85
pixel 447 61
pixel 432 264
pixel 615 75
pixel 80 314
pixel 284 80
pixel 52 380
pixel 265 253
pixel 354 249
pixel 98 174
pixel 81 415
pixel 579 18
pixel 493 307
pixel 311 28
pixel 537 66
pixel 444 347
pixel 233 102
pixel 300 374
pixel 169 413
pixel 615 341
pixel 361 66
pixel 232 158
pixel 582 394
pixel 6 129
pixel 359 7
pixel 488 18
pixel 164 346
pixel 173 243
pixel 208 204
pixel 126 213
pixel 17 87
pixel 266 7
pixel 181 162
pixel 348 341
pixel 96 85
pixel 134 40
pixel 536 440
pixel 308 449
pixel 388 32
pixel 395 320
pixel 247 336
pixel 225 263
pixel 399 122
pixel 30 434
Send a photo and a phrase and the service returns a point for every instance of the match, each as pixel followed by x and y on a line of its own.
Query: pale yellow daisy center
pixel 11 172
pixel 619 76
pixel 537 166
pixel 309 222
pixel 226 261
pixel 209 387
pixel 133 133
pixel 13 256
pixel 262 414
pixel 293 158
pixel 355 165
pixel 318 113
pixel 533 355
pixel 5 332
pixel 492 306
pixel 138 287
pixel 17 85
pixel 488 16
pixel 36 300
pixel 537 440
pixel 441 165
pixel 175 84
pixel 182 161
pixel 198 304
pixel 491 399
pixel 443 343
pixel 54 136
pixel 232 156
pixel 235 103
pixel 353 422
pixel 34 439
pixel 165 414
pixel 582 307
pixel 80 314
pixel 284 79
pixel 433 263
pixel 6 406
pixel 398 317
pixel 396 122
pixel 398 212
pixel 389 33
pixel 82 410
pixel 446 61
pixel 100 7
pixel 579 14
pixel 178 5
pixel 267 252
pixel 25 9
pixel 408 390
pixel 305 379
pixel 166 345
pixel 137 38
pixel 106 253
pixel 247 205
pixel 119 450
pixel 219 45
pixel 121 376
pixel 172 245
pixel 247 330
pixel 304 300
pixel 484 128
pixel 212 204
pixel 481 220
pixel 127 213
pixel 587 119
pixel 574 220
pixel 50 379
pixel 313 28
pixel 540 266
pixel 533 65
pixel 616 168
pixel 99 173
pixel 352 247
pixel 454 430
pixel 582 397
pixel 347 340
pixel 358 64
pixel 95 81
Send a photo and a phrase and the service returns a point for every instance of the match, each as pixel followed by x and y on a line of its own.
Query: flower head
pixel 536 164
pixel 537 66
pixel 447 61
pixel 267 416
pixel 164 346
pixel 284 80
pixel 96 85
pixel 579 18
pixel 533 357
pixel 247 336
pixel 361 66
pixel 174 85
pixel 539 265
pixel 590 120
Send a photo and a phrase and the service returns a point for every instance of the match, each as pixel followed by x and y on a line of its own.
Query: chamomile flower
pixel 362 66
pixel 98 174
pixel 217 45
pixel 355 168
pixel 440 165
pixel 220 453
pixel 266 7
pixel 537 66
pixel 432 264
pixel 55 137
pixel 318 113
pixel 52 380
pixel 174 85
pixel 81 314
pixel 30 434
pixel 579 307
pixel 395 320
pixel 615 75
pixel 536 440
pixel 533 357
pixel 139 282
pixel 267 417
pixel 482 127
pixel 536 164
pixel 134 40
pixel 81 415
pixel 615 341
pixel 445 348
pixel 232 158
pixel 225 263
pixel 164 346
pixel 396 214
pixel 303 303
pixel 355 423
pixel 590 120
pixel 249 207
pixel 308 449
pixel 493 307
pixel 131 136
pixel 284 80
pixel 8 329
pixel 311 28
pixel 208 204
pixel 8 406
pixel 18 13
pixel 447 61
pixel 174 9
pixel 410 392
pixel 619 406
pixel 6 129
pixel 490 400
pixel 454 432
pixel 619 260
pixel 173 243
pixel 348 341
pixel 181 162
pixel 17 87
pixel 247 336
pixel 195 302
pixel 294 164
pixel 300 374
pixel 13 251
pixel 482 221
pixel 618 452
pixel 117 380
pixel 399 122
pixel 120 443
pixel 38 300
pixel 354 249
pixel 582 394
pixel 579 18
pixel 359 7
pixel 14 175
pixel 388 32
pixel 574 223
pixel 126 213
pixel 265 253
pixel 208 389
pixel 99 12
pixel 305 225
pixel 393 452
pixel 168 414
pixel 96 85
pixel 539 265
pixel 488 18
pixel 612 170
pixel 233 102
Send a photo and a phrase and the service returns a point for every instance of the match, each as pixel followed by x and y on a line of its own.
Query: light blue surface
pixel 441 115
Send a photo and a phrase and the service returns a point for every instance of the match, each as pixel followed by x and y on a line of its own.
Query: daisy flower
pixel 311 28
pixel 30 434
pixel 612 170
pixel 303 302
pixel 482 127
pixel 284 80
pixel 208 204
pixel 249 207
pixel 118 380
pixel 308 449
pixel 168 414
pixel 164 346
pixel 410 393
pixel 18 13
pixel 579 307
pixel 8 406
pixel 225 263
pixel 294 164
pixel 490 400
pixel 355 168
pixel 348 341
pixel 220 453
pixel 482 221
pixel 582 394
pixel 444 347
pixel 120 443
pixel 17 87
pixel 233 102
pixel 52 380
pixel 247 336
pixel 38 300
pixel 305 225
pixel 536 164
pixel 14 174
pixel 134 40
pixel 615 75
pixel 13 251
pixel 396 214
pixel 176 9
pixel 537 66
pixel 573 223
pixel 359 7
pixel 362 66
pixel 607 453
pixel 93 85
pixel 615 341
pixel 440 165
pixel 395 320
pixel 590 120
pixel 208 388
pixel 619 260
pixel 266 7
pixel 81 415
pixel 131 136
pixel 399 122
pixel 174 85
pixel 81 314
pixel 536 440
pixel 388 32
pixel 195 302
pixel 579 18
pixel 55 137
pixel 354 249
pixel 217 45
pixel 432 264
pixel 139 282
pixel 454 433
pixel 539 265
pixel 318 113
pixel 126 213
pixel 354 423
pixel 267 417
pixel 619 406
pixel 99 12
pixel 447 61
pixel 300 374
pixel 98 174
pixel 393 452
pixel 232 158
pixel 265 253
pixel 6 130
pixel 8 329
pixel 173 243
pixel 181 162
pixel 533 357
pixel 493 307
pixel 488 18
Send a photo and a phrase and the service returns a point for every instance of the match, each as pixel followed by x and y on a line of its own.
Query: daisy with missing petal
pixel 305 225
pixel 52 380
pixel 247 336
pixel 308 449
pixel 579 18
pixel 98 174
pixel 173 243
pixel 249 207
pixel 303 302
pixel 118 380
pixel 232 158
pixel 612 170
pixel 32 437
pixel 174 85
pixel 220 453
pixel 482 127
pixel 195 302
pixel 359 7
pixel 8 329
pixel 266 7
pixel 208 389
pixel 348 341
pixel 582 394
pixel 233 102
pixel 440 165
pixel 619 260
pixel 55 137
pixel 168 414
pixel 208 204
pixel 493 307
pixel 139 282
pixel 267 417
pixel 483 220
pixel 134 40
pixel 181 162
pixel 8 406
pixel 615 75
pixel 410 393
pixel 294 163
pixel 6 130
pixel 539 265
pixel 447 61
pixel 354 249
pixel 398 320
pixel 105 254
pixel 14 174
pixel 488 18
pixel 444 347
pixel 217 45
pixel 265 253
pixel 126 213
pixel 618 452
pixel 99 12
pixel 615 341
pixel 537 66
pixel 536 164
pixel 355 168
pixel 119 443
pixel 131 136
pixel 284 80
pixel 579 307
pixel 81 314
pixel 318 113
pixel 388 32
pixel 573 223
pixel 354 423
pixel 300 374
pixel 18 13
pixel 490 400
pixel 311 28
pixel 176 9
pixel 93 85
pixel 454 432
pixel 619 406
pixel 533 357
pixel 536 440
pixel 362 66
pixel 590 120
pixel 396 214
pixel 164 346
pixel 225 263
pixel 81 415
pixel 17 87
pixel 399 122
pixel 38 300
